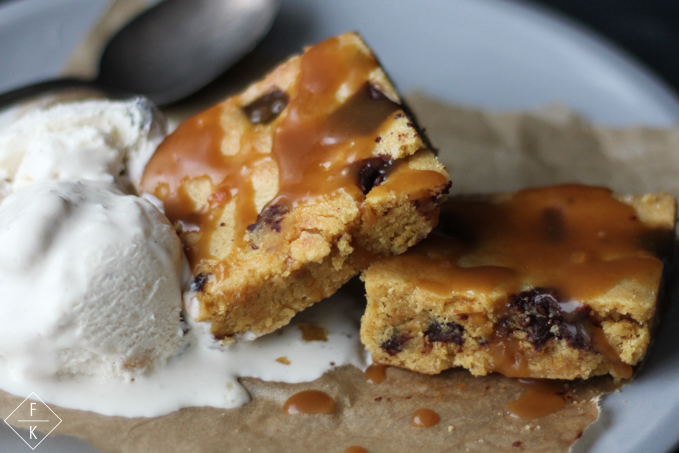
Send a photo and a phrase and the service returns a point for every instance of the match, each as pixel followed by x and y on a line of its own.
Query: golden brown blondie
pixel 557 282
pixel 284 192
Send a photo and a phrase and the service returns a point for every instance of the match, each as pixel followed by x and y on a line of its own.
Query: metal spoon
pixel 171 50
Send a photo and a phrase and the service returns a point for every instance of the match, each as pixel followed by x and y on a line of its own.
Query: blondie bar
pixel 284 192
pixel 558 282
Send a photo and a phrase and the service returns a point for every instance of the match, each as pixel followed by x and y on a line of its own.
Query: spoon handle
pixel 17 94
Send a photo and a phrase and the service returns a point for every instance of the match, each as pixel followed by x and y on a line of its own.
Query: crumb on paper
pixel 311 332
pixel 284 360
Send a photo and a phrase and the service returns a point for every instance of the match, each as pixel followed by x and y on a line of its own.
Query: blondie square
pixel 284 192
pixel 558 282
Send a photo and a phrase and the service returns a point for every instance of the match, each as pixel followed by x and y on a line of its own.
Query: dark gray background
pixel 647 29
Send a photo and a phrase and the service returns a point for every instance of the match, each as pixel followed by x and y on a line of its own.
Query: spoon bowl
pixel 172 49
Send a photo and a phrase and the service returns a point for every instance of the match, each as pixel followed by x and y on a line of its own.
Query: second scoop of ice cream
pixel 91 281
pixel 97 140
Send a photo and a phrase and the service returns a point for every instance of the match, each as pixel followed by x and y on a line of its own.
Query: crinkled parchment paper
pixel 485 152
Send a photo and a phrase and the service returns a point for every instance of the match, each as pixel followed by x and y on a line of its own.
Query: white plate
pixel 488 53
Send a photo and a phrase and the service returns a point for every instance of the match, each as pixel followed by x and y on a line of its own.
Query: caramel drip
pixel 320 133
pixel 540 397
pixel 309 402
pixel 424 418
pixel 355 449
pixel 600 343
pixel 376 373
pixel 508 359
pixel 190 152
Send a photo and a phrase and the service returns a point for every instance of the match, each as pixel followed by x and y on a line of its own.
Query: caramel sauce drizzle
pixel 320 132
pixel 194 152
pixel 424 418
pixel 540 397
pixel 577 240
pixel 309 402
pixel 322 136
pixel 355 449
pixel 376 373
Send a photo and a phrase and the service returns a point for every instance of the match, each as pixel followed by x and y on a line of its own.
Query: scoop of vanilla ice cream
pixel 98 140
pixel 91 281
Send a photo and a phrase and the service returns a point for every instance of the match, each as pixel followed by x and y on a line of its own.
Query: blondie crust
pixel 558 282
pixel 284 192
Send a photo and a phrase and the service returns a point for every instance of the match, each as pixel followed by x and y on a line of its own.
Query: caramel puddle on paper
pixel 376 373
pixel 424 418
pixel 355 449
pixel 540 397
pixel 309 402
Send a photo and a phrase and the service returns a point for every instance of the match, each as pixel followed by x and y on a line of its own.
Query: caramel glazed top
pixel 316 131
pixel 566 248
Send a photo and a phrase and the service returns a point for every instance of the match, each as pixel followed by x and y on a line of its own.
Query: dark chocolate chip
pixel 394 344
pixel 517 444
pixel 539 313
pixel 378 139
pixel 449 332
pixel 398 115
pixel 199 282
pixel 372 172
pixel 267 107
pixel 555 229
pixel 271 215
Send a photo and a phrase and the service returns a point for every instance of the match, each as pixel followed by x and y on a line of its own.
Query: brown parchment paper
pixel 490 152
pixel 485 152
pixel 376 417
